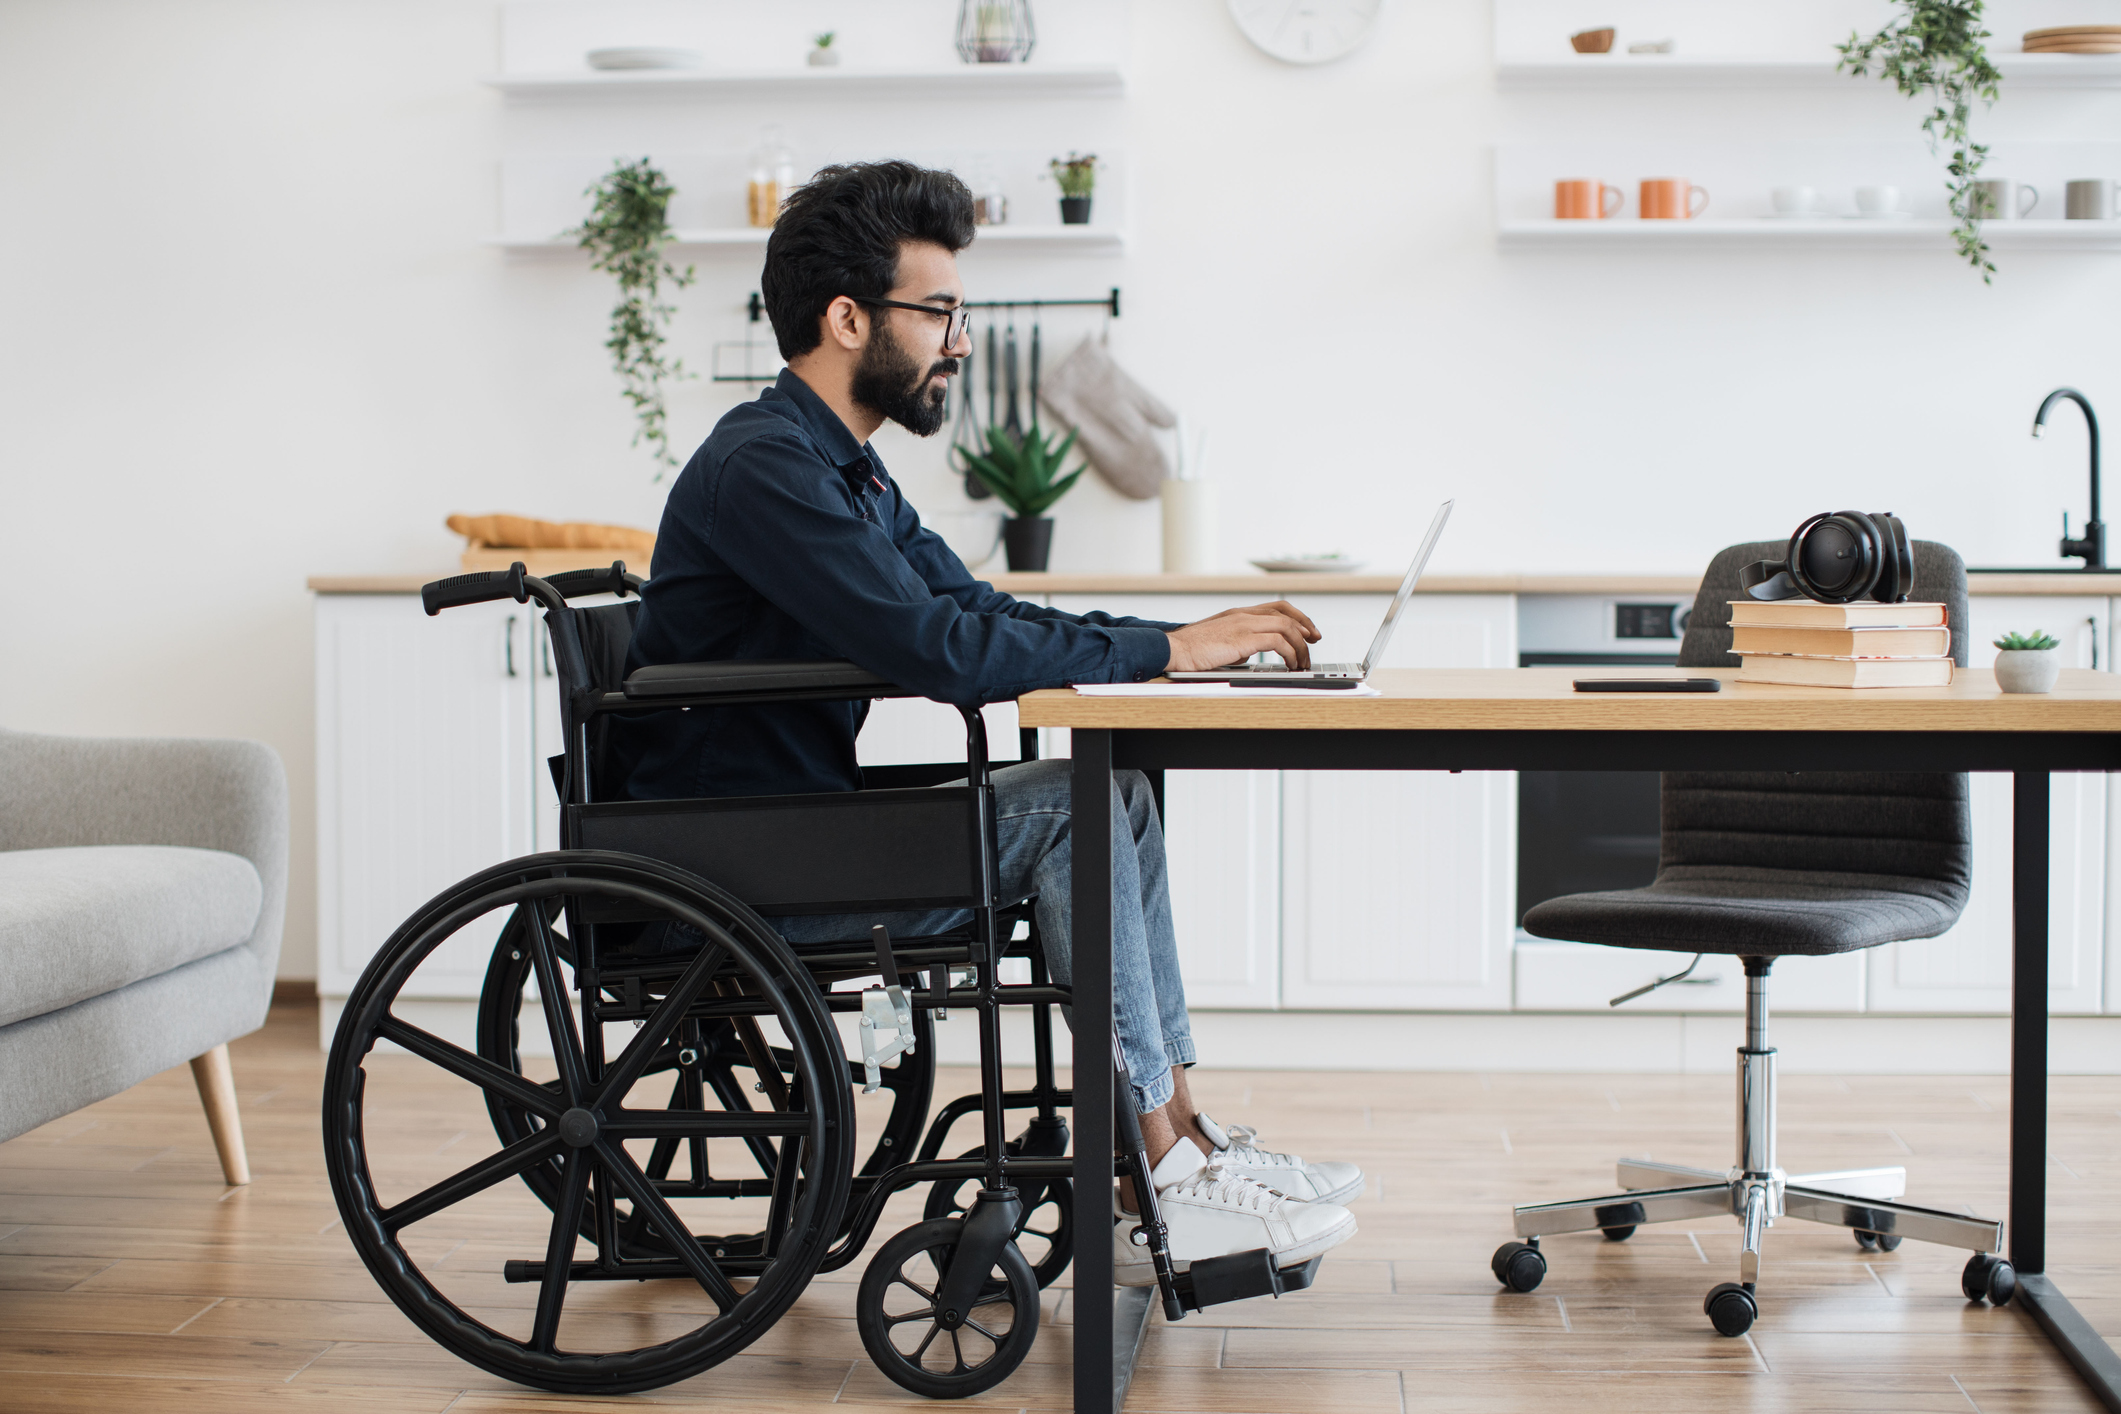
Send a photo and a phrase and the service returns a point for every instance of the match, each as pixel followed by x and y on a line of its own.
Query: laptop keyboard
pixel 1331 670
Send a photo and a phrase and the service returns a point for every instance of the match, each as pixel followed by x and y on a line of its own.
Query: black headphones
pixel 1838 558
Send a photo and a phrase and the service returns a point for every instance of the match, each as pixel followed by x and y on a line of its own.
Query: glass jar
pixel 772 177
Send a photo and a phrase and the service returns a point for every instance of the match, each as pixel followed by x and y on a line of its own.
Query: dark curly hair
pixel 840 232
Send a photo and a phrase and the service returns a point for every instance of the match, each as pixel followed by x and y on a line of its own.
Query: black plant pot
pixel 1075 211
pixel 1028 540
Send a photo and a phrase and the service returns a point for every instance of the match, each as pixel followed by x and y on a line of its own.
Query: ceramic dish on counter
pixel 1309 564
pixel 645 57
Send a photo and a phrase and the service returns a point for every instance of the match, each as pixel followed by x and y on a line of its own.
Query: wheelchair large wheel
pixel 611 1290
pixel 712 1064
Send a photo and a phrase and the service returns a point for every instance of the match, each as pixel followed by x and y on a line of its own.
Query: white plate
pixel 1880 215
pixel 1301 565
pixel 639 57
pixel 1800 216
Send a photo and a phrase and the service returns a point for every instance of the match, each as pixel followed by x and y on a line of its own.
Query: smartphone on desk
pixel 1649 684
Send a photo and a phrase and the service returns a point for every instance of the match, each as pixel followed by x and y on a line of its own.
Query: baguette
pixel 523 533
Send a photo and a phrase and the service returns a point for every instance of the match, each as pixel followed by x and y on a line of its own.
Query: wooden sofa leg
pixel 217 1091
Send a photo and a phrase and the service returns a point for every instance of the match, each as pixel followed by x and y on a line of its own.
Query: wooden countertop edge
pixel 1531 699
pixel 1285 584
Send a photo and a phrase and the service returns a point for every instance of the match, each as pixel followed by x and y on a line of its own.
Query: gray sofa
pixel 143 883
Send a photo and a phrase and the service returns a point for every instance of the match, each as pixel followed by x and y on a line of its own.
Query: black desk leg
pixel 1090 948
pixel 2072 1334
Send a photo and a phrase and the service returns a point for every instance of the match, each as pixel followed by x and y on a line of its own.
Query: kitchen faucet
pixel 2092 548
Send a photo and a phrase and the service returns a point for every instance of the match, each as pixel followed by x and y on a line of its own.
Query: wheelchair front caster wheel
pixel 1519 1266
pixel 1878 1241
pixel 1045 1232
pixel 944 1354
pixel 1731 1308
pixel 1989 1278
pixel 1618 1234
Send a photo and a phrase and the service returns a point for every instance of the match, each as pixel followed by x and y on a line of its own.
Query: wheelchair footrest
pixel 1212 1281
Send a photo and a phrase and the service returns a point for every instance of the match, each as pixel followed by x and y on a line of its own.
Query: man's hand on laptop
pixel 1232 636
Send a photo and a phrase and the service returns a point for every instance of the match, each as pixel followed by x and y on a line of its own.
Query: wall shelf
pixel 2001 235
pixel 947 81
pixel 1036 240
pixel 1663 71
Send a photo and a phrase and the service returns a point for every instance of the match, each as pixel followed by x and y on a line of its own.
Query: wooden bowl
pixel 1593 41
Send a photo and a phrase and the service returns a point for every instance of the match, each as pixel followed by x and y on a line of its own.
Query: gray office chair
pixel 1766 865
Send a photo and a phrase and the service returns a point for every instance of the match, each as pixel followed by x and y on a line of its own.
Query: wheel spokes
pixel 559 1014
pixel 647 1200
pixel 465 1066
pixel 620 1075
pixel 559 1250
pixel 507 1163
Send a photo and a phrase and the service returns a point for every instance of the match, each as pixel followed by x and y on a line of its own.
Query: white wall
pixel 249 334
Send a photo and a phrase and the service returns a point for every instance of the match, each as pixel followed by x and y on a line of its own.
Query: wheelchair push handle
pixel 576 584
pixel 518 584
pixel 481 588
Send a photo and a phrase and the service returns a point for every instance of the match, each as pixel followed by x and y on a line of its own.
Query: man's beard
pixel 892 382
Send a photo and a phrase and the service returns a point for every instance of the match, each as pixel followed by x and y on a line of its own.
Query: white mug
pixel 2090 200
pixel 1795 201
pixel 1877 201
pixel 2001 199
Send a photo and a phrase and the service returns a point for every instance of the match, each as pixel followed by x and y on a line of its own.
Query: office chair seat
pixel 1750 913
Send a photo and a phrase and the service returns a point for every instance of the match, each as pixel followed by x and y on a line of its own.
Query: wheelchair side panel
pixel 877 849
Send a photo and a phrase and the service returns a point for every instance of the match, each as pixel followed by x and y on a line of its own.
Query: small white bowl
pixel 1309 564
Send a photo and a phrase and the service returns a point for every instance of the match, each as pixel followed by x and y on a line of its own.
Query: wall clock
pixel 1307 31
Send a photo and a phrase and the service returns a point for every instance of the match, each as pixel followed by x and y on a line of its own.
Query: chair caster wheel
pixel 1879 1241
pixel 1989 1278
pixel 1519 1266
pixel 1730 1308
pixel 1618 1234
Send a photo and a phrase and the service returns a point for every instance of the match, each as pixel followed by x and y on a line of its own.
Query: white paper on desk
pixel 1216 689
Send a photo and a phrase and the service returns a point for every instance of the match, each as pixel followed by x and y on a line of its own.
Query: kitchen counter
pixel 1282 585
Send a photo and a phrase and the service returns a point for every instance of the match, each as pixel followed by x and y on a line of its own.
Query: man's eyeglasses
pixel 957 320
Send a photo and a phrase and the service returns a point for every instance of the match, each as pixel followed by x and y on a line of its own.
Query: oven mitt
pixel 1112 415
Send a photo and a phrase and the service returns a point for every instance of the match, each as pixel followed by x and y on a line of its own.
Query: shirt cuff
pixel 1143 654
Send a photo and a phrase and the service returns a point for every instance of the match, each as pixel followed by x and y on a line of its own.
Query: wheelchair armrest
pixel 754 678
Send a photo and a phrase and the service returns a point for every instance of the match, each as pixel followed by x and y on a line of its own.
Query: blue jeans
pixel 1032 819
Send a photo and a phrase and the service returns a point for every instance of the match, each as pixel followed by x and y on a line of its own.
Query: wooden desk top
pixel 1541 699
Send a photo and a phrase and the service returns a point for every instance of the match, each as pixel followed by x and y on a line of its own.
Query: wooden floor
pixel 131 1278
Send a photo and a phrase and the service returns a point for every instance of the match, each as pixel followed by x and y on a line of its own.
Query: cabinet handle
pixel 2092 622
pixel 508 645
pixel 545 652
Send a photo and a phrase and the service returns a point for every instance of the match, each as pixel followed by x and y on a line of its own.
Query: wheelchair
pixel 713 1071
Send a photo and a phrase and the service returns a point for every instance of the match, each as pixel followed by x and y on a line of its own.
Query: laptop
pixel 1276 671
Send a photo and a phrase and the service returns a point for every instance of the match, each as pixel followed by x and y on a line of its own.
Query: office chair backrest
pixel 1902 831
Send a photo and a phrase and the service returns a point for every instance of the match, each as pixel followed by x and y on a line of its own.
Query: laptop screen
pixel 1406 587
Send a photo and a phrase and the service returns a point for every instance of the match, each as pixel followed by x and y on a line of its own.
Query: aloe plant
pixel 2027 642
pixel 1021 474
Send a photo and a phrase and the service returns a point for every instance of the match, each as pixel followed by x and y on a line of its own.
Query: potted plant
pixel 822 54
pixel 1934 51
pixel 1077 176
pixel 1021 475
pixel 2027 662
pixel 625 234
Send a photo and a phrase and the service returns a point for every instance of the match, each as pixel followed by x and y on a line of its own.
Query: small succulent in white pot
pixel 2027 662
pixel 822 54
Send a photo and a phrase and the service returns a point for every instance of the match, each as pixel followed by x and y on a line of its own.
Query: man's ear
pixel 846 324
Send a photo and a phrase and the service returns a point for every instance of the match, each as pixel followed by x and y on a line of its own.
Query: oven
pixel 1579 831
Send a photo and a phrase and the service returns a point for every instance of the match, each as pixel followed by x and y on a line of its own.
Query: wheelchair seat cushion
pixel 79 922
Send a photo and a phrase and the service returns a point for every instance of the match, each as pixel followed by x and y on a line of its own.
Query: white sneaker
pixel 1210 1210
pixel 1237 1149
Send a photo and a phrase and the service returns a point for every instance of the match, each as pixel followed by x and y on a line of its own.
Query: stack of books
pixel 1809 644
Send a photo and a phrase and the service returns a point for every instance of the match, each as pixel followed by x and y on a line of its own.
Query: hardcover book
pixel 1843 642
pixel 1807 613
pixel 1795 671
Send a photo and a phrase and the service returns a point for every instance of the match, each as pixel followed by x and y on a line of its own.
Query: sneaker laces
pixel 1243 1137
pixel 1219 1184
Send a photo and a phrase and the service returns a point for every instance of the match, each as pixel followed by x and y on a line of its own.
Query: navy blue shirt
pixel 785 538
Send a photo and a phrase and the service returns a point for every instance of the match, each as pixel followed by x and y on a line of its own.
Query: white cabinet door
pixel 424 773
pixel 1968 969
pixel 1222 834
pixel 1397 886
pixel 912 731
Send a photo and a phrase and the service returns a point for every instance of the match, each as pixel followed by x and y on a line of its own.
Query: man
pixel 785 538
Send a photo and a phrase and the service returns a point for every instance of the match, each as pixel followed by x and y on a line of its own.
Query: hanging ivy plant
pixel 1934 52
pixel 625 235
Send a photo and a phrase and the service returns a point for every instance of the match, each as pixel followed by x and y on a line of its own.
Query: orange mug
pixel 1671 199
pixel 1582 199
